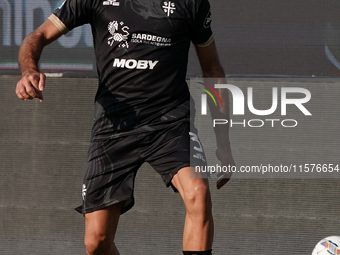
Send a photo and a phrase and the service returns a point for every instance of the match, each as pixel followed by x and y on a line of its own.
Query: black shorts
pixel 113 163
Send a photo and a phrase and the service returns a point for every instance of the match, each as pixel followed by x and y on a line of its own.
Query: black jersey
pixel 141 49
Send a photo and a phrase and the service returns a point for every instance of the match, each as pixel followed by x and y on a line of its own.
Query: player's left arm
pixel 209 60
pixel 212 68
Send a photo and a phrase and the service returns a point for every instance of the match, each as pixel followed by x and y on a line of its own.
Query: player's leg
pixel 173 151
pixel 108 190
pixel 199 226
pixel 100 230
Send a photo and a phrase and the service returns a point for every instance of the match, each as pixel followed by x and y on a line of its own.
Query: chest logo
pixel 169 7
pixel 120 34
pixel 111 2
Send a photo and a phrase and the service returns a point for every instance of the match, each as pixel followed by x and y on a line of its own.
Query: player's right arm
pixel 32 82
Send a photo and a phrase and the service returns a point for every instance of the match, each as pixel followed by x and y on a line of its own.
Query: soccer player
pixel 142 107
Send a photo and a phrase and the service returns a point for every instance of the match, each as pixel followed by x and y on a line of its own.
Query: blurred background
pixel 254 38
pixel 43 146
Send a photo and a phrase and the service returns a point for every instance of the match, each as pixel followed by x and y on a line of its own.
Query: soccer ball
pixel 328 246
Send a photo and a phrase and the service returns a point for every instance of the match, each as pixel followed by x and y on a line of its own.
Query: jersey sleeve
pixel 202 33
pixel 71 14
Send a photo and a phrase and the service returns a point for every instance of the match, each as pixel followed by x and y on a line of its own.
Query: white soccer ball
pixel 328 246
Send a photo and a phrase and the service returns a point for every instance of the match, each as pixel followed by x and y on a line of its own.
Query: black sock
pixel 197 252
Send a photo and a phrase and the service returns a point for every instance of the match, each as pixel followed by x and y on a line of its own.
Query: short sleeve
pixel 202 33
pixel 71 14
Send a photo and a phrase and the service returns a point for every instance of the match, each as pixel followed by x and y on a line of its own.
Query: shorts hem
pixel 103 206
pixel 173 173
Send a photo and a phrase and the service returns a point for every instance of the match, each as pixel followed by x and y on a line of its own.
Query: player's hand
pixel 31 85
pixel 226 158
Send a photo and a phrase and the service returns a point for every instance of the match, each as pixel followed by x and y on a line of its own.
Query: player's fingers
pixel 31 91
pixel 221 182
pixel 223 178
pixel 18 92
pixel 30 86
pixel 41 86
pixel 23 96
pixel 21 91
pixel 33 80
pixel 40 96
pixel 42 82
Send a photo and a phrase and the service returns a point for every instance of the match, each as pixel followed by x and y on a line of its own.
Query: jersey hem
pixel 207 43
pixel 58 23
pixel 140 130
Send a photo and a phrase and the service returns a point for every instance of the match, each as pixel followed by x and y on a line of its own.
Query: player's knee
pixel 97 244
pixel 198 201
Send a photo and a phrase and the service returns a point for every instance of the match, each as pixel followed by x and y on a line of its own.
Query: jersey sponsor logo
pixel 150 39
pixel 169 7
pixel 111 2
pixel 119 34
pixel 134 64
pixel 208 20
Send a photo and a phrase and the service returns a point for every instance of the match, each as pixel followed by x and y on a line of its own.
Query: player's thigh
pixel 173 149
pixel 102 224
